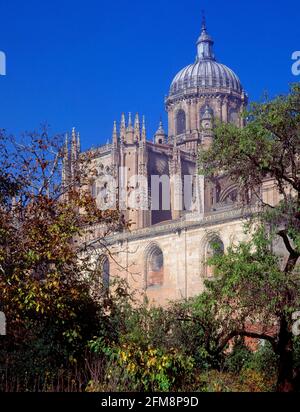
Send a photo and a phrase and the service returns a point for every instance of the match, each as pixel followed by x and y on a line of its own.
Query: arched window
pixel 230 195
pixel 154 267
pixel 215 247
pixel 180 122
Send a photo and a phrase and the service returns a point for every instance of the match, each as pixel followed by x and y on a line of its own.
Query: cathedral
pixel 164 253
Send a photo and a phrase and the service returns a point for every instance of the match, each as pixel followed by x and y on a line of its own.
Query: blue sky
pixel 83 63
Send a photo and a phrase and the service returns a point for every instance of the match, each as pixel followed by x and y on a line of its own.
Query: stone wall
pixel 184 246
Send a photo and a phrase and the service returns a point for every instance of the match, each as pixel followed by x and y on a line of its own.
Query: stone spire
pixel 129 121
pixel 130 131
pixel 66 149
pixel 123 121
pixel 74 155
pixel 115 134
pixel 123 128
pixel 175 167
pixel 144 213
pixel 137 128
pixel 144 136
pixel 66 163
pixel 74 151
pixel 78 143
pixel 205 43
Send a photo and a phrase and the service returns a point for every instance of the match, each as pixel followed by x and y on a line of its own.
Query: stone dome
pixel 206 72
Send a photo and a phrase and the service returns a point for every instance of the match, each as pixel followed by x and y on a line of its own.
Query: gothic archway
pixel 154 266
pixel 213 246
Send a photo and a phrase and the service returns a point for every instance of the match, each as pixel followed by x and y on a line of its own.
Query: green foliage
pixel 237 359
pixel 149 370
pixel 251 273
pixel 264 360
pixel 153 350
pixel 45 282
pixel 246 381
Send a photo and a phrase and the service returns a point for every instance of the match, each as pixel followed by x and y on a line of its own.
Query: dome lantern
pixel 205 44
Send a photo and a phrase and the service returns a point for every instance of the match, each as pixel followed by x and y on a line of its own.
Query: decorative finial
pixel 74 140
pixel 130 129
pixel 137 121
pixel 204 27
pixel 66 148
pixel 161 126
pixel 123 121
pixel 144 137
pixel 205 43
pixel 74 147
pixel 137 128
pixel 123 127
pixel 115 133
pixel 78 142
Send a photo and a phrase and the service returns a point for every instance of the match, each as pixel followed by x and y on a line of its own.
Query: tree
pixel 45 274
pixel 253 285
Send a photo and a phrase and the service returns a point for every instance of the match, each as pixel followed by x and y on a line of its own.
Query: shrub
pixel 131 368
pixel 238 358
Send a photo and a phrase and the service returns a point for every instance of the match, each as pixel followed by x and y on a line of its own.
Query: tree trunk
pixel 285 381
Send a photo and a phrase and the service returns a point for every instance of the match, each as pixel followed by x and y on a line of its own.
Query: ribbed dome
pixel 206 72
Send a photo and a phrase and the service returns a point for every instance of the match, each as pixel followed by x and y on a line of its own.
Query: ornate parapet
pixel 101 150
pixel 183 224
